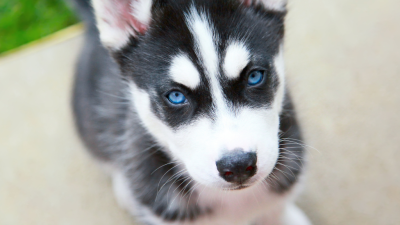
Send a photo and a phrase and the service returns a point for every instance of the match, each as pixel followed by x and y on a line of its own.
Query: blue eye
pixel 255 77
pixel 176 97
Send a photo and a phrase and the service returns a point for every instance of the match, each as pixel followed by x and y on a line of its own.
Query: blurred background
pixel 343 69
pixel 23 21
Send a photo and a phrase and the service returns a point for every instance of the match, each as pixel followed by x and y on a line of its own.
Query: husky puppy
pixel 184 101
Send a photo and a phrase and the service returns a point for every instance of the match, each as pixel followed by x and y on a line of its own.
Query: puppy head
pixel 206 79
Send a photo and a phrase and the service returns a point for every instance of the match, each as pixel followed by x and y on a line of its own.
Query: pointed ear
pixel 277 5
pixel 118 20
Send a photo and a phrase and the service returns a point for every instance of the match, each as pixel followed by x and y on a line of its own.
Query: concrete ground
pixel 343 66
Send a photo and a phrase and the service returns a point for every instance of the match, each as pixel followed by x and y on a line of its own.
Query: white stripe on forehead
pixel 204 40
pixel 205 46
pixel 184 72
pixel 236 59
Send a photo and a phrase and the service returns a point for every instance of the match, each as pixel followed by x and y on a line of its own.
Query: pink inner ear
pixel 126 19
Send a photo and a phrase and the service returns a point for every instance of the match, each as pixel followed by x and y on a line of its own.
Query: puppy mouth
pixel 238 187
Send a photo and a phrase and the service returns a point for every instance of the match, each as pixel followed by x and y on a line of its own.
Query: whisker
pixel 288 167
pixel 166 164
pixel 180 190
pixel 177 177
pixel 284 173
pixel 166 173
pixel 299 142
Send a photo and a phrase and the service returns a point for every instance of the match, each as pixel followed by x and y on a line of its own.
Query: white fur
pixel 205 40
pixel 277 5
pixel 199 145
pixel 114 26
pixel 254 205
pixel 123 193
pixel 151 122
pixel 250 129
pixel 141 10
pixel 127 201
pixel 236 58
pixel 294 216
pixel 107 18
pixel 184 72
pixel 205 47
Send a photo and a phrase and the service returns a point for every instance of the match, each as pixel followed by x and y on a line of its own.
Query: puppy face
pixel 206 81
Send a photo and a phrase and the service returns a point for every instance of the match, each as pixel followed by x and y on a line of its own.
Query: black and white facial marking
pixel 207 80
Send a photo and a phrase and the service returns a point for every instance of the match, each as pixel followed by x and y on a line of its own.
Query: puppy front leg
pixel 294 216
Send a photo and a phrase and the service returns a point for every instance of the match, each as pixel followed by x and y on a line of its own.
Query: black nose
pixel 237 166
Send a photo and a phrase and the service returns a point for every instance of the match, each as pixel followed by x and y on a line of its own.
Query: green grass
pixel 22 21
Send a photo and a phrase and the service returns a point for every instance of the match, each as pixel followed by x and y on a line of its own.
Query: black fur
pixel 168 35
pixel 291 153
pixel 112 131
